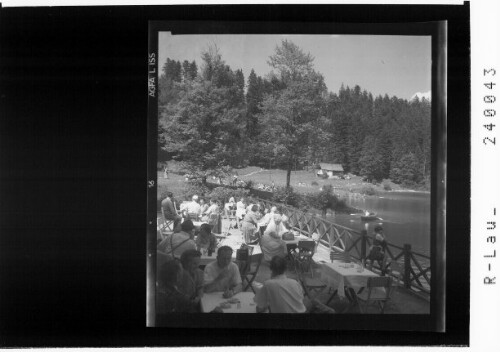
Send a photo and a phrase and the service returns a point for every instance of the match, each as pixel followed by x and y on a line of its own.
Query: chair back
pixel 256 258
pixel 335 255
pixel 379 281
pixel 306 246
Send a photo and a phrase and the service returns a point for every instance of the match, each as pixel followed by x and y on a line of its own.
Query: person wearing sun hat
pixel 378 249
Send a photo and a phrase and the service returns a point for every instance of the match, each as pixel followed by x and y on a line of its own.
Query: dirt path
pixel 253 173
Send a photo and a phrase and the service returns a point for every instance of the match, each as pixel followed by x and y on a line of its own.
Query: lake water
pixel 405 217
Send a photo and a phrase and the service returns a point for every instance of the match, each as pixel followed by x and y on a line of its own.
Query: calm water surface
pixel 405 217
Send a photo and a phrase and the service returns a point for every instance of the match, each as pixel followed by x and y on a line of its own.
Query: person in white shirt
pixel 212 209
pixel 223 275
pixel 193 207
pixel 280 294
pixel 240 211
pixel 230 206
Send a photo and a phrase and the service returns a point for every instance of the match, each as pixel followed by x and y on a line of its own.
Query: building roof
pixel 331 167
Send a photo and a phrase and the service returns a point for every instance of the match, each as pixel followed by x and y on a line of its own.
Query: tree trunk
pixel 288 175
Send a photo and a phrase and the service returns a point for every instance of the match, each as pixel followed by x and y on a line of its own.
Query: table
pixel 297 238
pixel 211 300
pixel 339 274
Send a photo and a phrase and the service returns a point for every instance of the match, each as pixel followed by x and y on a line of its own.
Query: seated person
pixel 206 239
pixel 280 294
pixel 192 207
pixel 230 207
pixel 168 298
pixel 169 211
pixel 272 243
pixel 203 206
pixel 377 251
pixel 222 275
pixel 191 279
pixel 178 242
pixel 212 209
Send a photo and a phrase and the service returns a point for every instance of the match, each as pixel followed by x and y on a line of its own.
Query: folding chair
pixel 251 271
pixel 303 259
pixel 313 286
pixel 378 290
pixel 164 226
pixel 337 255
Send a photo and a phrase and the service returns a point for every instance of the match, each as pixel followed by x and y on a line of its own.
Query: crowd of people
pixel 181 282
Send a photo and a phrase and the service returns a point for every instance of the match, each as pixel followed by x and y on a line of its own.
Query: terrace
pixel 404 298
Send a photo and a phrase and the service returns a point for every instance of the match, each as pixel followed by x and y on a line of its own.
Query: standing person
pixel 169 210
pixel 378 249
pixel 178 242
pixel 223 275
pixel 249 224
pixel 240 210
pixel 280 294
pixel 191 279
pixel 165 172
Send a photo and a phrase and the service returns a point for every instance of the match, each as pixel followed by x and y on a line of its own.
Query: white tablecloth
pixel 211 300
pixel 339 274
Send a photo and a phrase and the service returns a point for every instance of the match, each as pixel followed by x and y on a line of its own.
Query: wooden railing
pixel 415 267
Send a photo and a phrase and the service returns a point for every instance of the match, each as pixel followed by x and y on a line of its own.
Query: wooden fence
pixel 415 268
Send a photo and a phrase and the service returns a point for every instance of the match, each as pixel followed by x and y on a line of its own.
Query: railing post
pixel 407 263
pixel 364 235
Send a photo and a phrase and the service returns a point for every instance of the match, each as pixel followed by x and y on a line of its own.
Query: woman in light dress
pixel 249 225
pixel 271 243
pixel 240 211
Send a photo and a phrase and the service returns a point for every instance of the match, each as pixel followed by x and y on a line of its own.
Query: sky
pixel 395 65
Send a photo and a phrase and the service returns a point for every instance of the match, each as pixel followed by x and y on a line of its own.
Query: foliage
pixel 287 120
pixel 368 190
pixel 406 170
pixel 203 126
pixel 290 117
pixel 195 187
pixel 387 185
pixel 314 183
pixel 222 194
pixel 287 196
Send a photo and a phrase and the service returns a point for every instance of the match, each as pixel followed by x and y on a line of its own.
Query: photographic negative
pixel 302 170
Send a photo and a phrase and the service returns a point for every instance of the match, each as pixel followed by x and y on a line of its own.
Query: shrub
pixel 368 190
pixel 195 187
pixel 314 183
pixel 222 194
pixel 287 196
pixel 386 185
